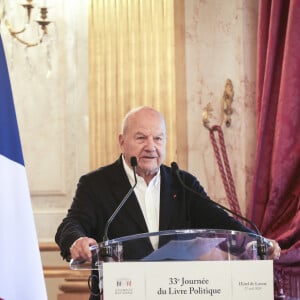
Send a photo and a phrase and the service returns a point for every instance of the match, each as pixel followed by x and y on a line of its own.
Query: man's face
pixel 144 138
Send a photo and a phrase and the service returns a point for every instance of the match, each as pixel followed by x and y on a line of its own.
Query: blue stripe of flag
pixel 10 144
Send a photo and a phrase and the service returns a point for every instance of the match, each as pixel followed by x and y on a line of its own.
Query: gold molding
pixel 226 107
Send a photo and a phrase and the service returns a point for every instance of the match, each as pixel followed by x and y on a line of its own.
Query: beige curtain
pixel 136 57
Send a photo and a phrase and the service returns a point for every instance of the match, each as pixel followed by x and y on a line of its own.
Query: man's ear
pixel 121 140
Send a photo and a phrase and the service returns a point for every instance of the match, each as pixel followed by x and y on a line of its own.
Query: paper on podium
pixel 184 249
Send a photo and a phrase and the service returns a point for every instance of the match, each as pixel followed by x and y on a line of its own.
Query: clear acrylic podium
pixel 180 245
pixel 206 245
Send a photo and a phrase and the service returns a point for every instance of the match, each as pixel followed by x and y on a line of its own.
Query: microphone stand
pixel 261 242
pixel 106 251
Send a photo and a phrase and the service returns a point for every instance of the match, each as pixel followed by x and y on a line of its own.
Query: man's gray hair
pixel 135 110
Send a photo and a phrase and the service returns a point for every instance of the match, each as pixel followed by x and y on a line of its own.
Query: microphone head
pixel 133 161
pixel 174 166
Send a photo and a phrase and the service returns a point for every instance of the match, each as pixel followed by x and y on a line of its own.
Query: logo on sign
pixel 124 286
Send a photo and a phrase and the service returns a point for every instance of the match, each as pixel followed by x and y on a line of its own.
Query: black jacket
pixel 99 193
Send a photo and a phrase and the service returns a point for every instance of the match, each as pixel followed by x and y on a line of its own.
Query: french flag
pixel 21 273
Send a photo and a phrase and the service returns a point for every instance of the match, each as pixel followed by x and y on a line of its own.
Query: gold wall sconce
pixel 43 23
pixel 226 107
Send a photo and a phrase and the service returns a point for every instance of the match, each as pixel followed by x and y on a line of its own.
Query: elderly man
pixel 159 201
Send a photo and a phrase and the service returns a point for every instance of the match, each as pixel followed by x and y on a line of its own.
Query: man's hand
pixel 80 249
pixel 274 251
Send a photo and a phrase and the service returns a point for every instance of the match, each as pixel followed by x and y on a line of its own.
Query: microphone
pixel 261 242
pixel 133 162
pixel 105 252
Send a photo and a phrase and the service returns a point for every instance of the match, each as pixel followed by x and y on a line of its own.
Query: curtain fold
pixel 133 61
pixel 275 202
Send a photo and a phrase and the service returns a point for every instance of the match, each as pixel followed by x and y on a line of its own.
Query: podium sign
pixel 177 280
pixel 188 264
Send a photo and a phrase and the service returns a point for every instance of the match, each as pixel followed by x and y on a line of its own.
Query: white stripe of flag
pixel 21 273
